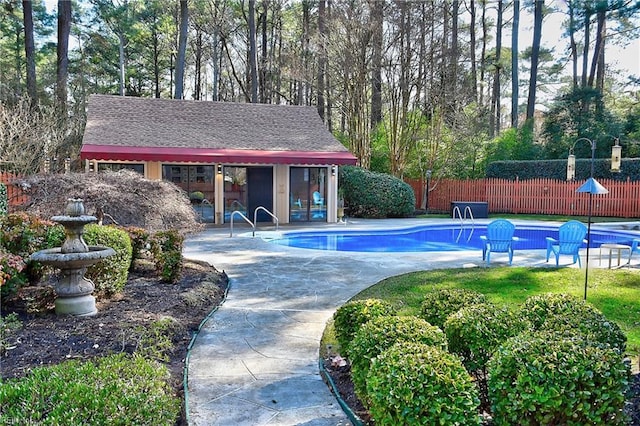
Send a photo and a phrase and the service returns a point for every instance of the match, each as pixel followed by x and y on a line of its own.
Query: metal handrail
pixel 255 218
pixel 463 216
pixel 468 209
pixel 239 213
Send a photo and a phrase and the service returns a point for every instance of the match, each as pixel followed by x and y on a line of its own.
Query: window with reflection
pixel 307 199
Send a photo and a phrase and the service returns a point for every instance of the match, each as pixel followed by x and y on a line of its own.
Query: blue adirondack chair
pixel 570 239
pixel 499 239
pixel 635 246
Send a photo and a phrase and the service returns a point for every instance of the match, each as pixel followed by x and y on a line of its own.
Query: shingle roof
pixel 137 125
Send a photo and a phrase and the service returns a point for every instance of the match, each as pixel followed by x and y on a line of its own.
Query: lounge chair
pixel 499 239
pixel 570 239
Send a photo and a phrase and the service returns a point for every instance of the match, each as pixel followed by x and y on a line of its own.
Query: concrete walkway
pixel 255 361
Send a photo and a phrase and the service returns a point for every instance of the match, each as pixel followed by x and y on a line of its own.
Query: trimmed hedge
pixel 110 274
pixel 564 313
pixel 557 169
pixel 439 304
pixel 381 333
pixel 166 247
pixel 549 379
pixel 375 195
pixel 475 332
pixel 115 390
pixel 349 318
pixel 417 384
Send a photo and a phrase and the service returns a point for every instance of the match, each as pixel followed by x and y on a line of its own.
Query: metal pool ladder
pixel 463 217
pixel 255 219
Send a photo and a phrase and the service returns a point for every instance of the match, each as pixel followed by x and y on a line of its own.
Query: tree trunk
pixel 121 62
pixel 377 17
pixel 573 45
pixel 197 95
pixel 253 53
pixel 30 51
pixel 472 31
pixel 585 49
pixel 62 65
pixel 182 49
pixel 495 97
pixel 535 56
pixel 262 81
pixel 322 57
pixel 514 63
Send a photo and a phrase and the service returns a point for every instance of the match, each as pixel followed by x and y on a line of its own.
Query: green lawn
pixel 615 292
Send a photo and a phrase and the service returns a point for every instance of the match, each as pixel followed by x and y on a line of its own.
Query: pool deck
pixel 255 361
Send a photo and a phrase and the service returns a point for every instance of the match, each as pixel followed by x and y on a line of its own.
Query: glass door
pixel 307 199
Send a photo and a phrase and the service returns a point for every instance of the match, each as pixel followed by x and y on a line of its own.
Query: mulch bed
pixel 48 339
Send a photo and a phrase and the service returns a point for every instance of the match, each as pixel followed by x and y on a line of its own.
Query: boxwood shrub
pixel 348 318
pixel 417 384
pixel 4 201
pixel 114 390
pixel 375 195
pixel 166 247
pixel 110 274
pixel 545 378
pixel 475 332
pixel 381 333
pixel 439 304
pixel 564 313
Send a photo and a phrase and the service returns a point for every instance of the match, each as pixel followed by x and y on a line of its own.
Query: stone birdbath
pixel 74 291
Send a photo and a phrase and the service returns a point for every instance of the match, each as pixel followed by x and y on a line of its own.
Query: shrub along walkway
pixel 255 361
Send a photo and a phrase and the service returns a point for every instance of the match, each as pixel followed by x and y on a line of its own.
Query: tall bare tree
pixel 182 49
pixel 377 18
pixel 62 64
pixel 497 70
pixel 535 56
pixel 29 50
pixel 515 83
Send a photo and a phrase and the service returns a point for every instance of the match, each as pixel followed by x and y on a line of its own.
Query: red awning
pixel 204 155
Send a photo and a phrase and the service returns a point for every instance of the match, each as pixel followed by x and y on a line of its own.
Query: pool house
pixel 227 156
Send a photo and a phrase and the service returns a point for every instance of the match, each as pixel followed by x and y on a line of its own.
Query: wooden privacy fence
pixel 14 194
pixel 535 196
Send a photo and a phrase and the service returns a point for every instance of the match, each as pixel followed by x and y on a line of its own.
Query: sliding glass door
pixel 307 199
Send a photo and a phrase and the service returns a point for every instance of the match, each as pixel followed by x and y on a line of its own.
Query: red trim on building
pixel 205 155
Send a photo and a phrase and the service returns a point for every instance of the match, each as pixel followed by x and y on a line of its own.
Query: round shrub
pixel 439 304
pixel 417 384
pixel 381 333
pixel 348 318
pixel 564 313
pixel 544 378
pixel 110 274
pixel 375 195
pixel 139 243
pixel 476 331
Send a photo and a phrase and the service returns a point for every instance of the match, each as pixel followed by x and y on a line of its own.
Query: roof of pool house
pixel 121 128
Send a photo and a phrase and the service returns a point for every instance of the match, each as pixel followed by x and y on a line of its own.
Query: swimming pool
pixel 450 237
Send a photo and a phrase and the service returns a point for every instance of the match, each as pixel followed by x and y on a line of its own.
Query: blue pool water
pixel 434 238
